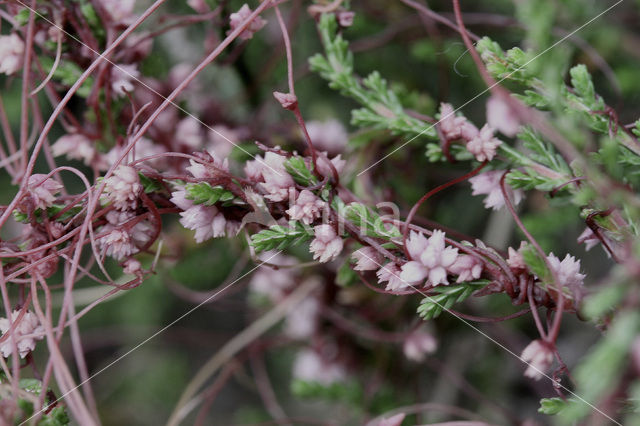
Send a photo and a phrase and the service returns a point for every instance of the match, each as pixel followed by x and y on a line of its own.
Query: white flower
pixel 302 321
pixel 367 259
pixel 11 53
pixel 327 244
pixel 419 344
pixel 539 357
pixel 488 183
pixel 122 77
pixel 25 333
pixel 310 367
pixel 390 273
pixel 76 147
pixel 329 136
pixel 42 190
pixel 237 19
pixel 466 267
pixel 132 266
pixel 345 18
pixel 483 145
pixel 515 259
pixel 432 259
pixel 207 221
pixel 307 207
pixel 122 188
pixel 588 238
pixel 500 116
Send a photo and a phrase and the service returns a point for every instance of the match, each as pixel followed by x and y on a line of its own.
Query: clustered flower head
pixel 122 188
pixel 327 244
pixel 539 357
pixel 207 221
pixel 25 333
pixel 501 116
pixel 432 259
pixel 488 184
pixel 481 143
pixel 390 273
pixel 121 239
pixel 238 18
pixel 306 208
pixel 276 182
pixel 11 53
pixel 567 273
pixel 311 367
pixel 42 190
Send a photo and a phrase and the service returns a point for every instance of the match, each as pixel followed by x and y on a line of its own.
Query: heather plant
pixel 319 212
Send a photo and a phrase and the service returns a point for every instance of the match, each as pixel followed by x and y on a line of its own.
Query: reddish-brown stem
pixel 428 195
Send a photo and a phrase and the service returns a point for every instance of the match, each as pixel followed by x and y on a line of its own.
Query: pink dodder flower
pixel 207 221
pixel 307 207
pixel 11 53
pixel 42 190
pixel 25 333
pixel 287 100
pixel 390 273
pixel 367 259
pixel 567 274
pixel 122 188
pixel 419 344
pixel 329 136
pixel 488 184
pixel 501 116
pixel 432 259
pixel 311 367
pixel 76 147
pixel 466 267
pixel 327 244
pixel 483 146
pixel 539 356
pixel 238 18
pixel 121 238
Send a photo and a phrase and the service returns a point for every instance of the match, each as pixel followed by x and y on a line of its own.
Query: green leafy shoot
pixel 299 171
pixel 279 237
pixel 445 297
pixel 203 193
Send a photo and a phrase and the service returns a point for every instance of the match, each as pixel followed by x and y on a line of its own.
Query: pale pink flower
pixel 122 188
pixel 367 259
pixel 302 322
pixel 11 53
pixel 199 6
pixel 419 344
pixel 310 367
pixel 432 259
pixel 277 182
pixel 488 183
pixel 567 273
pixel 539 357
pixel 25 333
pixel 189 133
pixel 327 244
pixel 450 124
pixel 329 136
pixel 42 190
pixel 120 10
pixel 395 420
pixel 222 139
pixel 206 221
pixel 287 100
pixel 345 18
pixel 466 267
pixel 123 241
pixel 468 131
pixel 122 78
pixel 209 168
pixel 483 145
pixel 502 117
pixel 76 147
pixel 390 273
pixel 270 282
pixel 307 207
pixel 132 266
pixel 589 239
pixel 253 169
pixel 238 18
pixel 515 259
